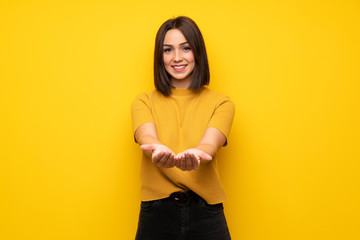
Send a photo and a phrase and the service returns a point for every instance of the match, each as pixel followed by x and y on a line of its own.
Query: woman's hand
pixel 190 159
pixel 187 160
pixel 161 155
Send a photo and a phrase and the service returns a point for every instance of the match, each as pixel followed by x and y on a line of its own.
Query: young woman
pixel 180 126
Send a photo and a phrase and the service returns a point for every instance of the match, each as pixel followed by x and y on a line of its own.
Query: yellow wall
pixel 69 70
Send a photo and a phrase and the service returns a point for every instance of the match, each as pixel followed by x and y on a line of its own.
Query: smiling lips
pixel 179 68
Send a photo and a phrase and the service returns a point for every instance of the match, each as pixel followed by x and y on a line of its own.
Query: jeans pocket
pixel 213 208
pixel 147 205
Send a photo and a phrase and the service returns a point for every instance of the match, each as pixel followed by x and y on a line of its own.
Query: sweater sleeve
pixel 223 116
pixel 141 111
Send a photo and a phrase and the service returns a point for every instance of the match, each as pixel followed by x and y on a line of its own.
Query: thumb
pixel 205 156
pixel 147 147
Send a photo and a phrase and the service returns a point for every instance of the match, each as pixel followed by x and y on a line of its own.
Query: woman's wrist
pixel 207 148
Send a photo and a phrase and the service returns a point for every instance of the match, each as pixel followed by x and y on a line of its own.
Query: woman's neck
pixel 182 83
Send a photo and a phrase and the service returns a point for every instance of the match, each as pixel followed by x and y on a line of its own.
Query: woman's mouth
pixel 179 68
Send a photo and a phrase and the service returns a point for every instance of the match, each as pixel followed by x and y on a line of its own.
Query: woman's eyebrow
pixel 169 45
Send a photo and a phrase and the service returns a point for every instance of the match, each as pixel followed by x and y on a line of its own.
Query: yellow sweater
pixel 181 120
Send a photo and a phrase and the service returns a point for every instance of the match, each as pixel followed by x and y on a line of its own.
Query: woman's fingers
pixel 161 155
pixel 186 161
pixel 189 161
pixel 170 161
pixel 156 157
pixel 205 156
pixel 195 161
pixel 182 163
pixel 163 159
pixel 178 160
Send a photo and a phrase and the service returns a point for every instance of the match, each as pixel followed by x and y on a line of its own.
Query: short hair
pixel 200 74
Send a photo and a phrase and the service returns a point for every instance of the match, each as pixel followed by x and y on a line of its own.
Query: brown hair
pixel 200 74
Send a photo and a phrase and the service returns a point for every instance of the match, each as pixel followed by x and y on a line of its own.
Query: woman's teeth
pixel 179 67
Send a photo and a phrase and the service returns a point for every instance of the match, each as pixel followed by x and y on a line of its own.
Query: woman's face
pixel 178 58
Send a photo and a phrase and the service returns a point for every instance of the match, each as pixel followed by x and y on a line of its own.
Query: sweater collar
pixel 185 91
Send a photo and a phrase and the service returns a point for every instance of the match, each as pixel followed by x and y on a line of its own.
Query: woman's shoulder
pixel 219 100
pixel 215 95
pixel 147 94
pixel 148 97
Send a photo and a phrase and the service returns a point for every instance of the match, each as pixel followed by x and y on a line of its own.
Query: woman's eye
pixel 167 49
pixel 186 48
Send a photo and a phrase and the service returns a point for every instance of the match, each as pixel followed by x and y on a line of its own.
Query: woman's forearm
pixel 207 148
pixel 148 139
pixel 211 141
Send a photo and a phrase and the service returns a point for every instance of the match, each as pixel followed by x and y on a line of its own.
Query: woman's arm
pixel 211 141
pixel 160 154
pixel 146 134
pixel 209 144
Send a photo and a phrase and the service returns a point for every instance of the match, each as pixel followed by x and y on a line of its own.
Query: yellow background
pixel 69 70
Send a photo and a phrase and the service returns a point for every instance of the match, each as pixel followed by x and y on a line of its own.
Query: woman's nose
pixel 177 56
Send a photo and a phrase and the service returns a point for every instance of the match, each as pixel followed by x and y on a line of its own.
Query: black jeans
pixel 163 219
